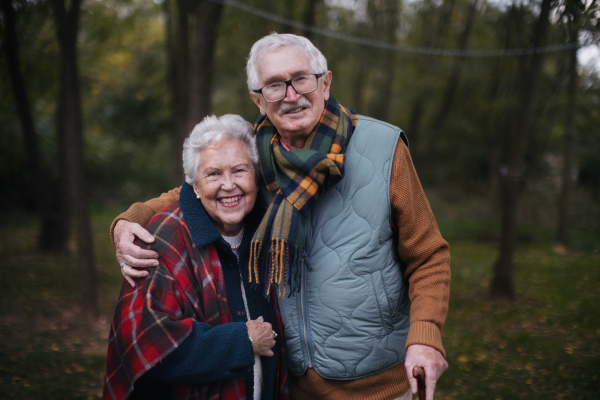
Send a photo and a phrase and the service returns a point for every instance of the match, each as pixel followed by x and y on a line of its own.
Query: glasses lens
pixel 305 84
pixel 274 92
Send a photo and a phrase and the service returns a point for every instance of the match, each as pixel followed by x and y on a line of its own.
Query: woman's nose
pixel 228 181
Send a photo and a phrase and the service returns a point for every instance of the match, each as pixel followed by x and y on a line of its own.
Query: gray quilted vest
pixel 351 318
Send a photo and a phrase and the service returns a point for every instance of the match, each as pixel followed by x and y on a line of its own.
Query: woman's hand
pixel 262 336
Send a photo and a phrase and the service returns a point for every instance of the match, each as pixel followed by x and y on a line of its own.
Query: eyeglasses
pixel 277 90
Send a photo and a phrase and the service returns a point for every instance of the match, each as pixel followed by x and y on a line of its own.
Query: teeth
pixel 230 200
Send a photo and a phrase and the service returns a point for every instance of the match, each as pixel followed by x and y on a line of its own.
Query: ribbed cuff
pixel 425 333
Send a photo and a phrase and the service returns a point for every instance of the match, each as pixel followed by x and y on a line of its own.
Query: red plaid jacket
pixel 153 318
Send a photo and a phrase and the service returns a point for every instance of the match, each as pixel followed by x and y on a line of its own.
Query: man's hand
pixel 129 255
pixel 429 358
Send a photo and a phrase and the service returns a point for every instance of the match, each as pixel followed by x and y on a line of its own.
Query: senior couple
pixel 299 260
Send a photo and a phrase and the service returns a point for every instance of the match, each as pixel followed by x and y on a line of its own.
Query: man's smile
pixel 294 108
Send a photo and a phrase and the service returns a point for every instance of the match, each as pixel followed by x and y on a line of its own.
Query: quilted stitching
pixel 365 333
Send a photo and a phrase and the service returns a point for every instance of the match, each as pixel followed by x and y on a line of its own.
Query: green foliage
pixel 545 345
pixel 39 66
pixel 127 102
pixel 589 136
pixel 48 350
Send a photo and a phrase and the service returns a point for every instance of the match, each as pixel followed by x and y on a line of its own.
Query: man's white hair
pixel 275 41
pixel 208 133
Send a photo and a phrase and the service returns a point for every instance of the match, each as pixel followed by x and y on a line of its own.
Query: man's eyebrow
pixel 281 78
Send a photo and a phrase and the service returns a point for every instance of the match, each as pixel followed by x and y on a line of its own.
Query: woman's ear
pixel 196 189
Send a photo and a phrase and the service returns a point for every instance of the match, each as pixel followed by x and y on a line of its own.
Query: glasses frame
pixel 287 84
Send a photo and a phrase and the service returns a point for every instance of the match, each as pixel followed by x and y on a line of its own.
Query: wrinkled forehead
pixel 281 57
pixel 282 63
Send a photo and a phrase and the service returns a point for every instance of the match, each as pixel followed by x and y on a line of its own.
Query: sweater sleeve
pixel 209 354
pixel 142 213
pixel 423 250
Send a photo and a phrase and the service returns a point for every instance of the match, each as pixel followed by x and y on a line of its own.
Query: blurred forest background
pixel 503 118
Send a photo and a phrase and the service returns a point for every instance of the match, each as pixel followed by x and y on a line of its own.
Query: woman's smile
pixel 230 201
pixel 227 184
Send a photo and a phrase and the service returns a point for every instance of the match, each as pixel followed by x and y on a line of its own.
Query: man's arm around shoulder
pixel 129 225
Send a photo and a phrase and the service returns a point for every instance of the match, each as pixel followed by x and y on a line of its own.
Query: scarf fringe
pixel 299 178
pixel 281 262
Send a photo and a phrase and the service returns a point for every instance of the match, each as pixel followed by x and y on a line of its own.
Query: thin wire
pixel 405 48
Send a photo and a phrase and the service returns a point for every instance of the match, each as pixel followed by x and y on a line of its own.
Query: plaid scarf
pixel 152 319
pixel 298 178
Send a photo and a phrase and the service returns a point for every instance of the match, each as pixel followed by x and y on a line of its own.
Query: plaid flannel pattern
pixel 153 318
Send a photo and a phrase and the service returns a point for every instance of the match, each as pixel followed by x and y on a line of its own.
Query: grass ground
pixel 544 345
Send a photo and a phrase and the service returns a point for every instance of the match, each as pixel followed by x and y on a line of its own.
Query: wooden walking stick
pixel 419 375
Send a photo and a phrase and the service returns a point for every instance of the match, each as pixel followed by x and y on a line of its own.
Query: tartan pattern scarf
pixel 298 178
pixel 153 318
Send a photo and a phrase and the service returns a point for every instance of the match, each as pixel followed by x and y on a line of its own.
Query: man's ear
pixel 257 100
pixel 327 84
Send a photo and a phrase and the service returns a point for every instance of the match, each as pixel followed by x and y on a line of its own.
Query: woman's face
pixel 227 185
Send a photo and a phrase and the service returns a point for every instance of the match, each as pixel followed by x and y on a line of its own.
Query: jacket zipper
pixel 304 319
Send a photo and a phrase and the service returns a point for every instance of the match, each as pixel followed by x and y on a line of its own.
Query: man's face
pixel 295 115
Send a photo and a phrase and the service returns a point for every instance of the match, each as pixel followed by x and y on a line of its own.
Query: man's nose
pixel 291 95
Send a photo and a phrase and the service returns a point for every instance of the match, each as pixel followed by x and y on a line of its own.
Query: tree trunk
pixel 414 129
pixel 310 14
pixel 441 20
pixel 178 54
pixel 207 16
pixel 494 117
pixel 51 236
pixel 389 23
pixel 562 234
pixel 67 22
pixel 514 158
pixel 436 128
pixel 358 89
pixel 288 13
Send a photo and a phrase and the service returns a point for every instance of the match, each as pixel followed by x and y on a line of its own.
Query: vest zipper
pixel 304 319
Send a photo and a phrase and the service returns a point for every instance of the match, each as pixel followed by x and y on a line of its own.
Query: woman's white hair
pixel 208 133
pixel 274 41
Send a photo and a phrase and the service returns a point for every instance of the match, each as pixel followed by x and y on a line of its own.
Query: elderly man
pixel 348 241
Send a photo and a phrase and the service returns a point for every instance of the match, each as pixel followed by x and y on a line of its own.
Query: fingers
pixel 129 280
pixel 419 374
pixel 142 233
pixel 411 379
pixel 129 273
pixel 433 363
pixel 128 249
pixel 138 262
pixel 262 336
pixel 130 229
pixel 129 253
pixel 429 388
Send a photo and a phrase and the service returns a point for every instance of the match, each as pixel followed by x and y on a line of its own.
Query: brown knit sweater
pixel 427 257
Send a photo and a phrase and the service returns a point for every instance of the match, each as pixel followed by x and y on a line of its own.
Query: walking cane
pixel 419 375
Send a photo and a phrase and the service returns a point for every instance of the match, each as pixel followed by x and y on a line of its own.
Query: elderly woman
pixel 194 327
